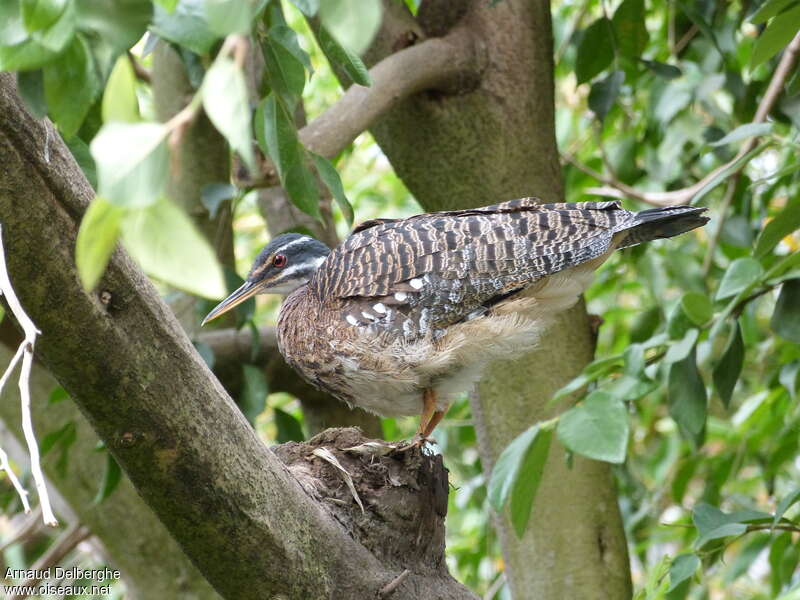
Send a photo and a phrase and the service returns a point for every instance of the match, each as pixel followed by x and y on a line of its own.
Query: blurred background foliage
pixel 694 391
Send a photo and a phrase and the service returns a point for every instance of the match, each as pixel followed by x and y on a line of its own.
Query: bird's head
pixel 284 264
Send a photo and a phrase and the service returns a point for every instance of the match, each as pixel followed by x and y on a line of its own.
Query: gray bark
pixel 488 144
pixel 235 509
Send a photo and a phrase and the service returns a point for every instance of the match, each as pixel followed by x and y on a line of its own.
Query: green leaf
pixel 168 5
pixel 786 318
pixel 27 55
pixel 330 177
pixel 71 86
pixel 119 24
pixel 254 392
pixel 276 134
pixel 604 93
pixel 214 194
pixel 678 323
pixel 352 22
pixel 776 36
pixel 119 100
pixel 97 237
pixel 285 72
pixel 595 50
pixel 508 466
pixel 782 561
pixel 308 7
pixel 19 51
pixel 727 371
pixel 277 137
pixel 634 359
pixel 226 103
pixel 769 9
pixel 714 524
pixel 687 398
pixel 166 244
pixel 289 428
pixel 302 188
pixel 597 427
pixel 517 474
pixel 744 132
pixel 785 504
pixel 697 307
pixel 63 439
pixel 30 86
pixel 523 492
pixel 741 273
pixel 662 69
pixel 63 435
pixel 680 350
pixel 12 29
pixel 82 155
pixel 631 32
pixel 111 478
pixel 59 394
pixel 185 26
pixel 132 161
pixel 337 54
pixel 682 568
pixel 785 223
pixel 40 14
pixel 225 17
pixel 286 37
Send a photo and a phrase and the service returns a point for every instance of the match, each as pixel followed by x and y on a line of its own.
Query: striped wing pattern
pixel 419 275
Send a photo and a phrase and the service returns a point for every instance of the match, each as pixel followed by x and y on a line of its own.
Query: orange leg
pixel 428 410
pixel 434 421
pixel 430 416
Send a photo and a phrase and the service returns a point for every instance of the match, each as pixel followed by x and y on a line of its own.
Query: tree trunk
pixel 490 141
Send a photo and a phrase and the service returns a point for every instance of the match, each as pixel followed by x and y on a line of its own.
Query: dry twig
pixel 25 351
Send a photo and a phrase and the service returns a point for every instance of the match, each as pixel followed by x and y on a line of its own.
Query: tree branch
pixel 445 64
pixel 617 189
pixel 237 511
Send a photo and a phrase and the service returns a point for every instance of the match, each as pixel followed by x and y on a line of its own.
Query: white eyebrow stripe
pixel 299 240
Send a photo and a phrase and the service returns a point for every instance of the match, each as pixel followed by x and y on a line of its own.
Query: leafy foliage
pixel 694 394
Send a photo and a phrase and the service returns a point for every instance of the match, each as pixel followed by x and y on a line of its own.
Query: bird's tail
pixel 664 222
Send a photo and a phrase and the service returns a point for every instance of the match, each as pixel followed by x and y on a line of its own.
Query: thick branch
pixel 235 509
pixel 617 189
pixel 450 64
pixel 437 63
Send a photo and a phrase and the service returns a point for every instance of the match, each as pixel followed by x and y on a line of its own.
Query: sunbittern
pixel 405 314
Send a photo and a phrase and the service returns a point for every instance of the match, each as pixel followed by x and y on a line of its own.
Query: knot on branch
pixel 403 494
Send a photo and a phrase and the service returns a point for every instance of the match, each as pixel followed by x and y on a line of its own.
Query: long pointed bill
pixel 245 291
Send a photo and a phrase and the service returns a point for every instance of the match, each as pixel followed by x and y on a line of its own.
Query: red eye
pixel 279 261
